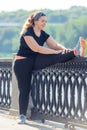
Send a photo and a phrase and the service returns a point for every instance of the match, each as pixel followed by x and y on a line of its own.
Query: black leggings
pixel 23 71
pixel 44 60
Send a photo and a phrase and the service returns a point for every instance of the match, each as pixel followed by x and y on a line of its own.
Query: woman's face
pixel 41 22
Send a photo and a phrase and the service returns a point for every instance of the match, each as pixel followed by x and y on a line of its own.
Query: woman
pixel 33 55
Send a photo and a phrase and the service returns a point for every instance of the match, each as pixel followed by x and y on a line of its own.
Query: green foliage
pixel 9 40
pixel 66 26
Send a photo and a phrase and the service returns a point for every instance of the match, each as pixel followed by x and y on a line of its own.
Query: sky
pixel 13 5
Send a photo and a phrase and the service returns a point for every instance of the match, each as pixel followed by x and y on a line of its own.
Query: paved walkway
pixel 8 122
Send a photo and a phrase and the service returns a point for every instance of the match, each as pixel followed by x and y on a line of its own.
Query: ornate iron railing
pixel 59 92
pixel 5 83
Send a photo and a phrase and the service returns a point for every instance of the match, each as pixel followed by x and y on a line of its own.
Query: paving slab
pixel 8 122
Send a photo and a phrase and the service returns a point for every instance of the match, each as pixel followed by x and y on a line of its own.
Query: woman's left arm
pixel 53 44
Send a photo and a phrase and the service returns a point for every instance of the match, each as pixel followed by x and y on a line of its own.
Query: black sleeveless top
pixel 24 49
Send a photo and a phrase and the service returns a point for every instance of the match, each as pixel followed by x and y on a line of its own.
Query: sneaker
pixel 21 120
pixel 81 46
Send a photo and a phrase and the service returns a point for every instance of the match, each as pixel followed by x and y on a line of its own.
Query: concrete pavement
pixel 8 122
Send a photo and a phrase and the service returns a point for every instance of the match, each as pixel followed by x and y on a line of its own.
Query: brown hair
pixel 30 20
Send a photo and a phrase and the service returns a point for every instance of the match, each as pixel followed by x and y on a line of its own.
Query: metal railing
pixel 5 83
pixel 59 92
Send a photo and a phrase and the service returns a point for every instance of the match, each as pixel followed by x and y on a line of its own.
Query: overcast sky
pixel 12 5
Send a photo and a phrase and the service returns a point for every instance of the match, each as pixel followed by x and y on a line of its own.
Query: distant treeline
pixel 64 25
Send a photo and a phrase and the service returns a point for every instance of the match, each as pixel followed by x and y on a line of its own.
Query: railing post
pixel 14 99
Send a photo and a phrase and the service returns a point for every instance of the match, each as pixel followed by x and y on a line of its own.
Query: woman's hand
pixel 64 51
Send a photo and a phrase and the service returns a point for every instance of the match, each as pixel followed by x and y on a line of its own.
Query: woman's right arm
pixel 37 48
